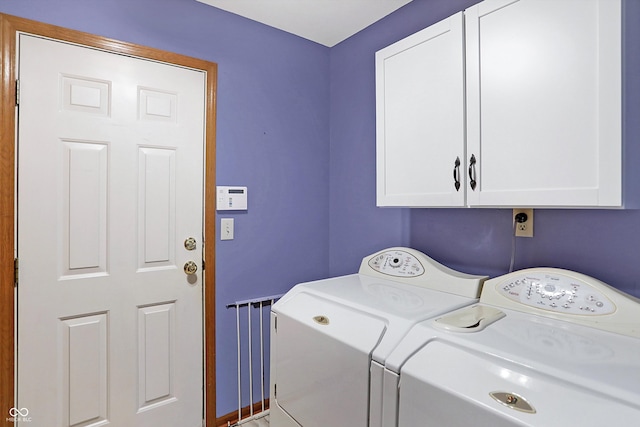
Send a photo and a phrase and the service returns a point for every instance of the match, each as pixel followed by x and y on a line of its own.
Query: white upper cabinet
pixel 420 118
pixel 544 102
pixel 543 110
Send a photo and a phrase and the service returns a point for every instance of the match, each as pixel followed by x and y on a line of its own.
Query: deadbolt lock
pixel 190 267
pixel 190 244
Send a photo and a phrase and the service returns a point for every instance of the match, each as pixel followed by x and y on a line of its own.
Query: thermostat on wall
pixel 232 198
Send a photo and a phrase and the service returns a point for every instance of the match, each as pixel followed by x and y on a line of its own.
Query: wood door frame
pixel 9 27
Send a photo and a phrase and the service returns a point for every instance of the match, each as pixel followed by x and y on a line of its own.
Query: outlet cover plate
pixel 524 229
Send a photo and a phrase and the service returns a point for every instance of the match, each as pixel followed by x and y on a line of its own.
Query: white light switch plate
pixel 226 229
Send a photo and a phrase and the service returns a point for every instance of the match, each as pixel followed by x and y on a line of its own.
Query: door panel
pixel 156 356
pixel 157 207
pixel 85 354
pixel 109 185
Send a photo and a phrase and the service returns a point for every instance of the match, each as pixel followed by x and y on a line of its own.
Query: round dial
pixel 397 263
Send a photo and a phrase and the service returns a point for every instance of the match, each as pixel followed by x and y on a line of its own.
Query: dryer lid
pixel 321 365
pixel 398 305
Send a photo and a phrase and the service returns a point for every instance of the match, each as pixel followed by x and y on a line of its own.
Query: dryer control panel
pixel 557 292
pixel 406 265
pixel 397 263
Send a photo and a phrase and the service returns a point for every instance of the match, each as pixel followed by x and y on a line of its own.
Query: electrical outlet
pixel 523 229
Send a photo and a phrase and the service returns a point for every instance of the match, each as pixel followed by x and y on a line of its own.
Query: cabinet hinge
pixel 16 271
pixel 17 92
pixel 275 391
pixel 275 324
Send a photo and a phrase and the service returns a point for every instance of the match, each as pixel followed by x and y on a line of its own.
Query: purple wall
pixel 601 243
pixel 272 133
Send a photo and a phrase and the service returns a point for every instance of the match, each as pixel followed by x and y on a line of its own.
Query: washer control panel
pixel 397 263
pixel 556 292
pixel 565 295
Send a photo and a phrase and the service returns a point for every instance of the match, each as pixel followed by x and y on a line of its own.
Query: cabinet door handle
pixel 472 172
pixel 456 174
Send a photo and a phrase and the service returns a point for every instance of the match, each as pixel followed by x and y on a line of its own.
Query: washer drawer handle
pixel 322 320
pixel 513 401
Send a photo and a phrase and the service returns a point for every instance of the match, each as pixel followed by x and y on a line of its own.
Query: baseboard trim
pixel 232 417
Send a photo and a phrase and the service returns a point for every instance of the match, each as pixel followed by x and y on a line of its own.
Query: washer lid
pixel 493 391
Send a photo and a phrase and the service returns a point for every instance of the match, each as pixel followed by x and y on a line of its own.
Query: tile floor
pixel 260 422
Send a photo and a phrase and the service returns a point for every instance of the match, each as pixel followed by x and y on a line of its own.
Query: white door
pixel 420 136
pixel 110 177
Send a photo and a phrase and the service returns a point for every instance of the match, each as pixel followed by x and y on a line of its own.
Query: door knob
pixel 190 267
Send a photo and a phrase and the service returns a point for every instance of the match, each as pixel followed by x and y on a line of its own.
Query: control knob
pixel 395 262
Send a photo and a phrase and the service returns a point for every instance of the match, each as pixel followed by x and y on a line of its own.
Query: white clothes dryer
pixel 543 347
pixel 326 335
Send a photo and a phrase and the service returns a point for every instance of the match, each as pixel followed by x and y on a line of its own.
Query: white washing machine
pixel 543 347
pixel 330 338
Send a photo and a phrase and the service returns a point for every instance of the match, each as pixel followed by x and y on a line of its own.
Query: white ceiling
pixel 327 22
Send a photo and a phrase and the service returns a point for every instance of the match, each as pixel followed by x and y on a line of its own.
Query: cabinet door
pixel 420 118
pixel 544 102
